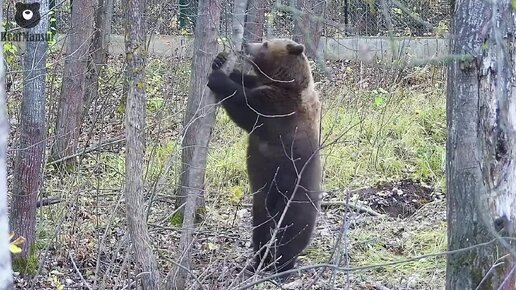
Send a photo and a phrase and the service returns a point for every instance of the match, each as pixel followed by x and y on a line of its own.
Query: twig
pixel 48 201
pixel 497 263
pixel 86 284
pixel 189 272
pixel 368 267
pixel 102 239
pixel 88 150
pixel 357 207
pixel 136 279
pixel 340 203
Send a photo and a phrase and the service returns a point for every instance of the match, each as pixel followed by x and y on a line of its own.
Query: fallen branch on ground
pixel 48 201
pixel 356 207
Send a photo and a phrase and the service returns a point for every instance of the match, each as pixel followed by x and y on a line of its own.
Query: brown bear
pixel 280 110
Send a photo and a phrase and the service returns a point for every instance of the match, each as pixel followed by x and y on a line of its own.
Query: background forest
pixel 121 168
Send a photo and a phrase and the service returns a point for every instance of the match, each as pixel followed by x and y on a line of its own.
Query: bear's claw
pixel 219 61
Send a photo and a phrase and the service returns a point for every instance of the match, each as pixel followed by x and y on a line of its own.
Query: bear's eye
pixel 265 44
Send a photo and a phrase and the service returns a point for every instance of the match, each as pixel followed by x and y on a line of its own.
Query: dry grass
pixel 378 132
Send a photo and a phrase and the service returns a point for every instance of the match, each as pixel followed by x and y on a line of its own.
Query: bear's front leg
pixel 248 81
pixel 222 85
pixel 233 100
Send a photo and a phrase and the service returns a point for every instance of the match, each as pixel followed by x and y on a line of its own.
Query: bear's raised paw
pixel 219 61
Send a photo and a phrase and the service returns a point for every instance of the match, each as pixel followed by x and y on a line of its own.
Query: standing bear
pixel 280 110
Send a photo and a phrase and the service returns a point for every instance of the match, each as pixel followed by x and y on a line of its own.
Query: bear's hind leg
pixel 296 234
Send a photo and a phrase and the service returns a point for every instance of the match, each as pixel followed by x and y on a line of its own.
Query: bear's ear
pixel 35 6
pixel 295 48
pixel 19 6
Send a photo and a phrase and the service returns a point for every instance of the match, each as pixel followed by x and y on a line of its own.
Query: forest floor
pixel 383 209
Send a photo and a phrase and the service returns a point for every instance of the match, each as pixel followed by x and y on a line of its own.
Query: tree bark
pixel 239 17
pixel 198 123
pixel 255 20
pixel 135 144
pixel 200 114
pixel 308 26
pixel 481 147
pixel 71 101
pixel 6 273
pixel 28 167
pixel 99 50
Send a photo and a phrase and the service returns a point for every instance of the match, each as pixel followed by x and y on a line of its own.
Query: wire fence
pixel 340 18
pixel 399 17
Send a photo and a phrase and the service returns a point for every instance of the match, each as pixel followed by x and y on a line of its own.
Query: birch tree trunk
pixel 28 167
pixel 237 36
pixel 71 100
pixel 135 136
pixel 6 273
pixel 481 147
pixel 239 17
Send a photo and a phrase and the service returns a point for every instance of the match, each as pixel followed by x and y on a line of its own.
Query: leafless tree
pixel 135 136
pixel 481 148
pixel 99 48
pixel 239 18
pixel 198 121
pixel 6 273
pixel 30 151
pixel 255 20
pixel 308 25
pixel 200 114
pixel 71 100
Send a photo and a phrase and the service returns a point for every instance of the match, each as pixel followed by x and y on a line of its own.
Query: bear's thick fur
pixel 280 110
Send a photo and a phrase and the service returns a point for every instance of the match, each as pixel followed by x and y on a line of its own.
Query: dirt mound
pixel 398 199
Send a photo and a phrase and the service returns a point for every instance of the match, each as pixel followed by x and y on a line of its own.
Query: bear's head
pixel 27 14
pixel 280 61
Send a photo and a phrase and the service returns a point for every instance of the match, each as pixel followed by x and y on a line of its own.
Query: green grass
pixel 372 135
pixel 384 243
pixel 226 169
pixel 370 141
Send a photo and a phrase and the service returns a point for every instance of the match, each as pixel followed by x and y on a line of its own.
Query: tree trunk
pixel 135 136
pixel 308 26
pixel 200 114
pixel 28 167
pixel 71 101
pixel 6 273
pixel 481 147
pixel 239 16
pixel 99 50
pixel 198 122
pixel 255 20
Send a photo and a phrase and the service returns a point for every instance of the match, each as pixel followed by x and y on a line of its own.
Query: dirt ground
pixel 222 245
pixel 378 232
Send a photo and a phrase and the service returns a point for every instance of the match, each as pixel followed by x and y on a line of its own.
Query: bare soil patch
pixel 398 199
